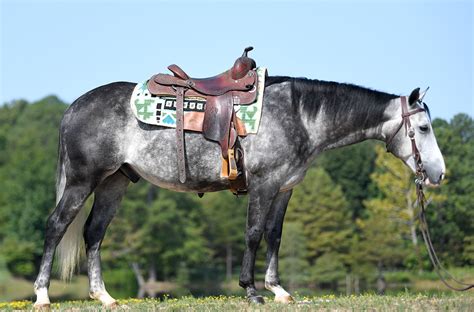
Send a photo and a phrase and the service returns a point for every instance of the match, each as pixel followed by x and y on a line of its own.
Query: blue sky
pixel 69 47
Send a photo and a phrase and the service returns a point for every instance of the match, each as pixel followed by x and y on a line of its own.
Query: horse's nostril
pixel 441 177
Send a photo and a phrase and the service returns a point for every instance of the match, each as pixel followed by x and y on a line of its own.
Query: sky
pixel 66 48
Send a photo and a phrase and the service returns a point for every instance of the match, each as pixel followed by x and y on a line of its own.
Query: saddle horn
pixel 247 50
pixel 243 65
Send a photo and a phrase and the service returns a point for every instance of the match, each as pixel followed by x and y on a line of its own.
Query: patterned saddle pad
pixel 161 110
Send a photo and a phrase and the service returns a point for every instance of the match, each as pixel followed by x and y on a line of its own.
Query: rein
pixel 421 199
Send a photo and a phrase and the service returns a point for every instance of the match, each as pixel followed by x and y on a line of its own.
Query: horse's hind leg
pixel 73 198
pixel 107 198
pixel 273 230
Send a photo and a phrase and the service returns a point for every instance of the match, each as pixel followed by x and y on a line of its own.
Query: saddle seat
pixel 236 86
pixel 240 77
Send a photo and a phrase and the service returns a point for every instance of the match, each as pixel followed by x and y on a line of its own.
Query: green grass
pixel 412 302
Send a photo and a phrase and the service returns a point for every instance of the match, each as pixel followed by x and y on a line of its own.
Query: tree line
pixel 353 217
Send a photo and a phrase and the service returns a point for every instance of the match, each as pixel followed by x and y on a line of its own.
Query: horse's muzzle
pixel 430 183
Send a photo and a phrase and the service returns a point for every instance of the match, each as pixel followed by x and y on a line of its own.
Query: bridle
pixel 420 176
pixel 410 132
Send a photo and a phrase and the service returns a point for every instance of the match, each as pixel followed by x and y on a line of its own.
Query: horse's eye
pixel 424 128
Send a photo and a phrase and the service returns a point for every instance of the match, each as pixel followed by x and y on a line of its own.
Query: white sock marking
pixel 42 296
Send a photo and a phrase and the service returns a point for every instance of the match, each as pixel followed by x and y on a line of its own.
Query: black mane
pixel 339 101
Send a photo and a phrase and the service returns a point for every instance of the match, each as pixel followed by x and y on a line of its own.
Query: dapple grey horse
pixel 301 118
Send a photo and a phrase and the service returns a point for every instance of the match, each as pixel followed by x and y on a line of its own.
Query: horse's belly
pixel 192 184
pixel 196 180
pixel 153 156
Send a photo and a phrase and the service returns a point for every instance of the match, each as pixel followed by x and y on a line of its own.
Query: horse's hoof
pixel 42 307
pixel 111 306
pixel 284 299
pixel 256 299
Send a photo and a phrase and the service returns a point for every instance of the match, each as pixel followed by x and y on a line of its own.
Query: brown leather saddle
pixel 236 86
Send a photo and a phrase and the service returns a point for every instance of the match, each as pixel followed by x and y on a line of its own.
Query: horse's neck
pixel 343 132
pixel 352 119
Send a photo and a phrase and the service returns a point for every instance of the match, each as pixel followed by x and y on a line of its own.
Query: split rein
pixel 420 176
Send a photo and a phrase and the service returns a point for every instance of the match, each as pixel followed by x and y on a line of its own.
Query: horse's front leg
pixel 261 196
pixel 273 230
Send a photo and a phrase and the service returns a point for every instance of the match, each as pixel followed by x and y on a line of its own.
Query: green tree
pixel 391 222
pixel 225 217
pixel 350 167
pixel 294 266
pixel 451 220
pixel 9 114
pixel 29 140
pixel 320 207
pixel 156 230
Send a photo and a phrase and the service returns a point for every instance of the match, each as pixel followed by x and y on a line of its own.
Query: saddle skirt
pixel 160 110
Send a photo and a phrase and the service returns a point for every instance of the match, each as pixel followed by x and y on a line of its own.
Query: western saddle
pixel 236 86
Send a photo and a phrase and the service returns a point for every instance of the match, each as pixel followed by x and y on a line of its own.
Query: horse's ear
pixel 414 96
pixel 422 94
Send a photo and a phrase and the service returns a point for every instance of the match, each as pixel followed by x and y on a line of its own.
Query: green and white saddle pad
pixel 161 110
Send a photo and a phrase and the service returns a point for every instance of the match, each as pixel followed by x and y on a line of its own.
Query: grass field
pixel 403 302
pixel 426 294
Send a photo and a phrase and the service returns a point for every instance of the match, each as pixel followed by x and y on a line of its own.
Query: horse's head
pixel 411 138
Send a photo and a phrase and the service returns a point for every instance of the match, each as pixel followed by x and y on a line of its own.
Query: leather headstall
pixel 410 132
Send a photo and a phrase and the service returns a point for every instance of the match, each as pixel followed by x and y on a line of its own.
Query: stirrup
pixel 229 166
pixel 233 172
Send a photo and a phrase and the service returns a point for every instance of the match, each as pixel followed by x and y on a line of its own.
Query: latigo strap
pixel 180 134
